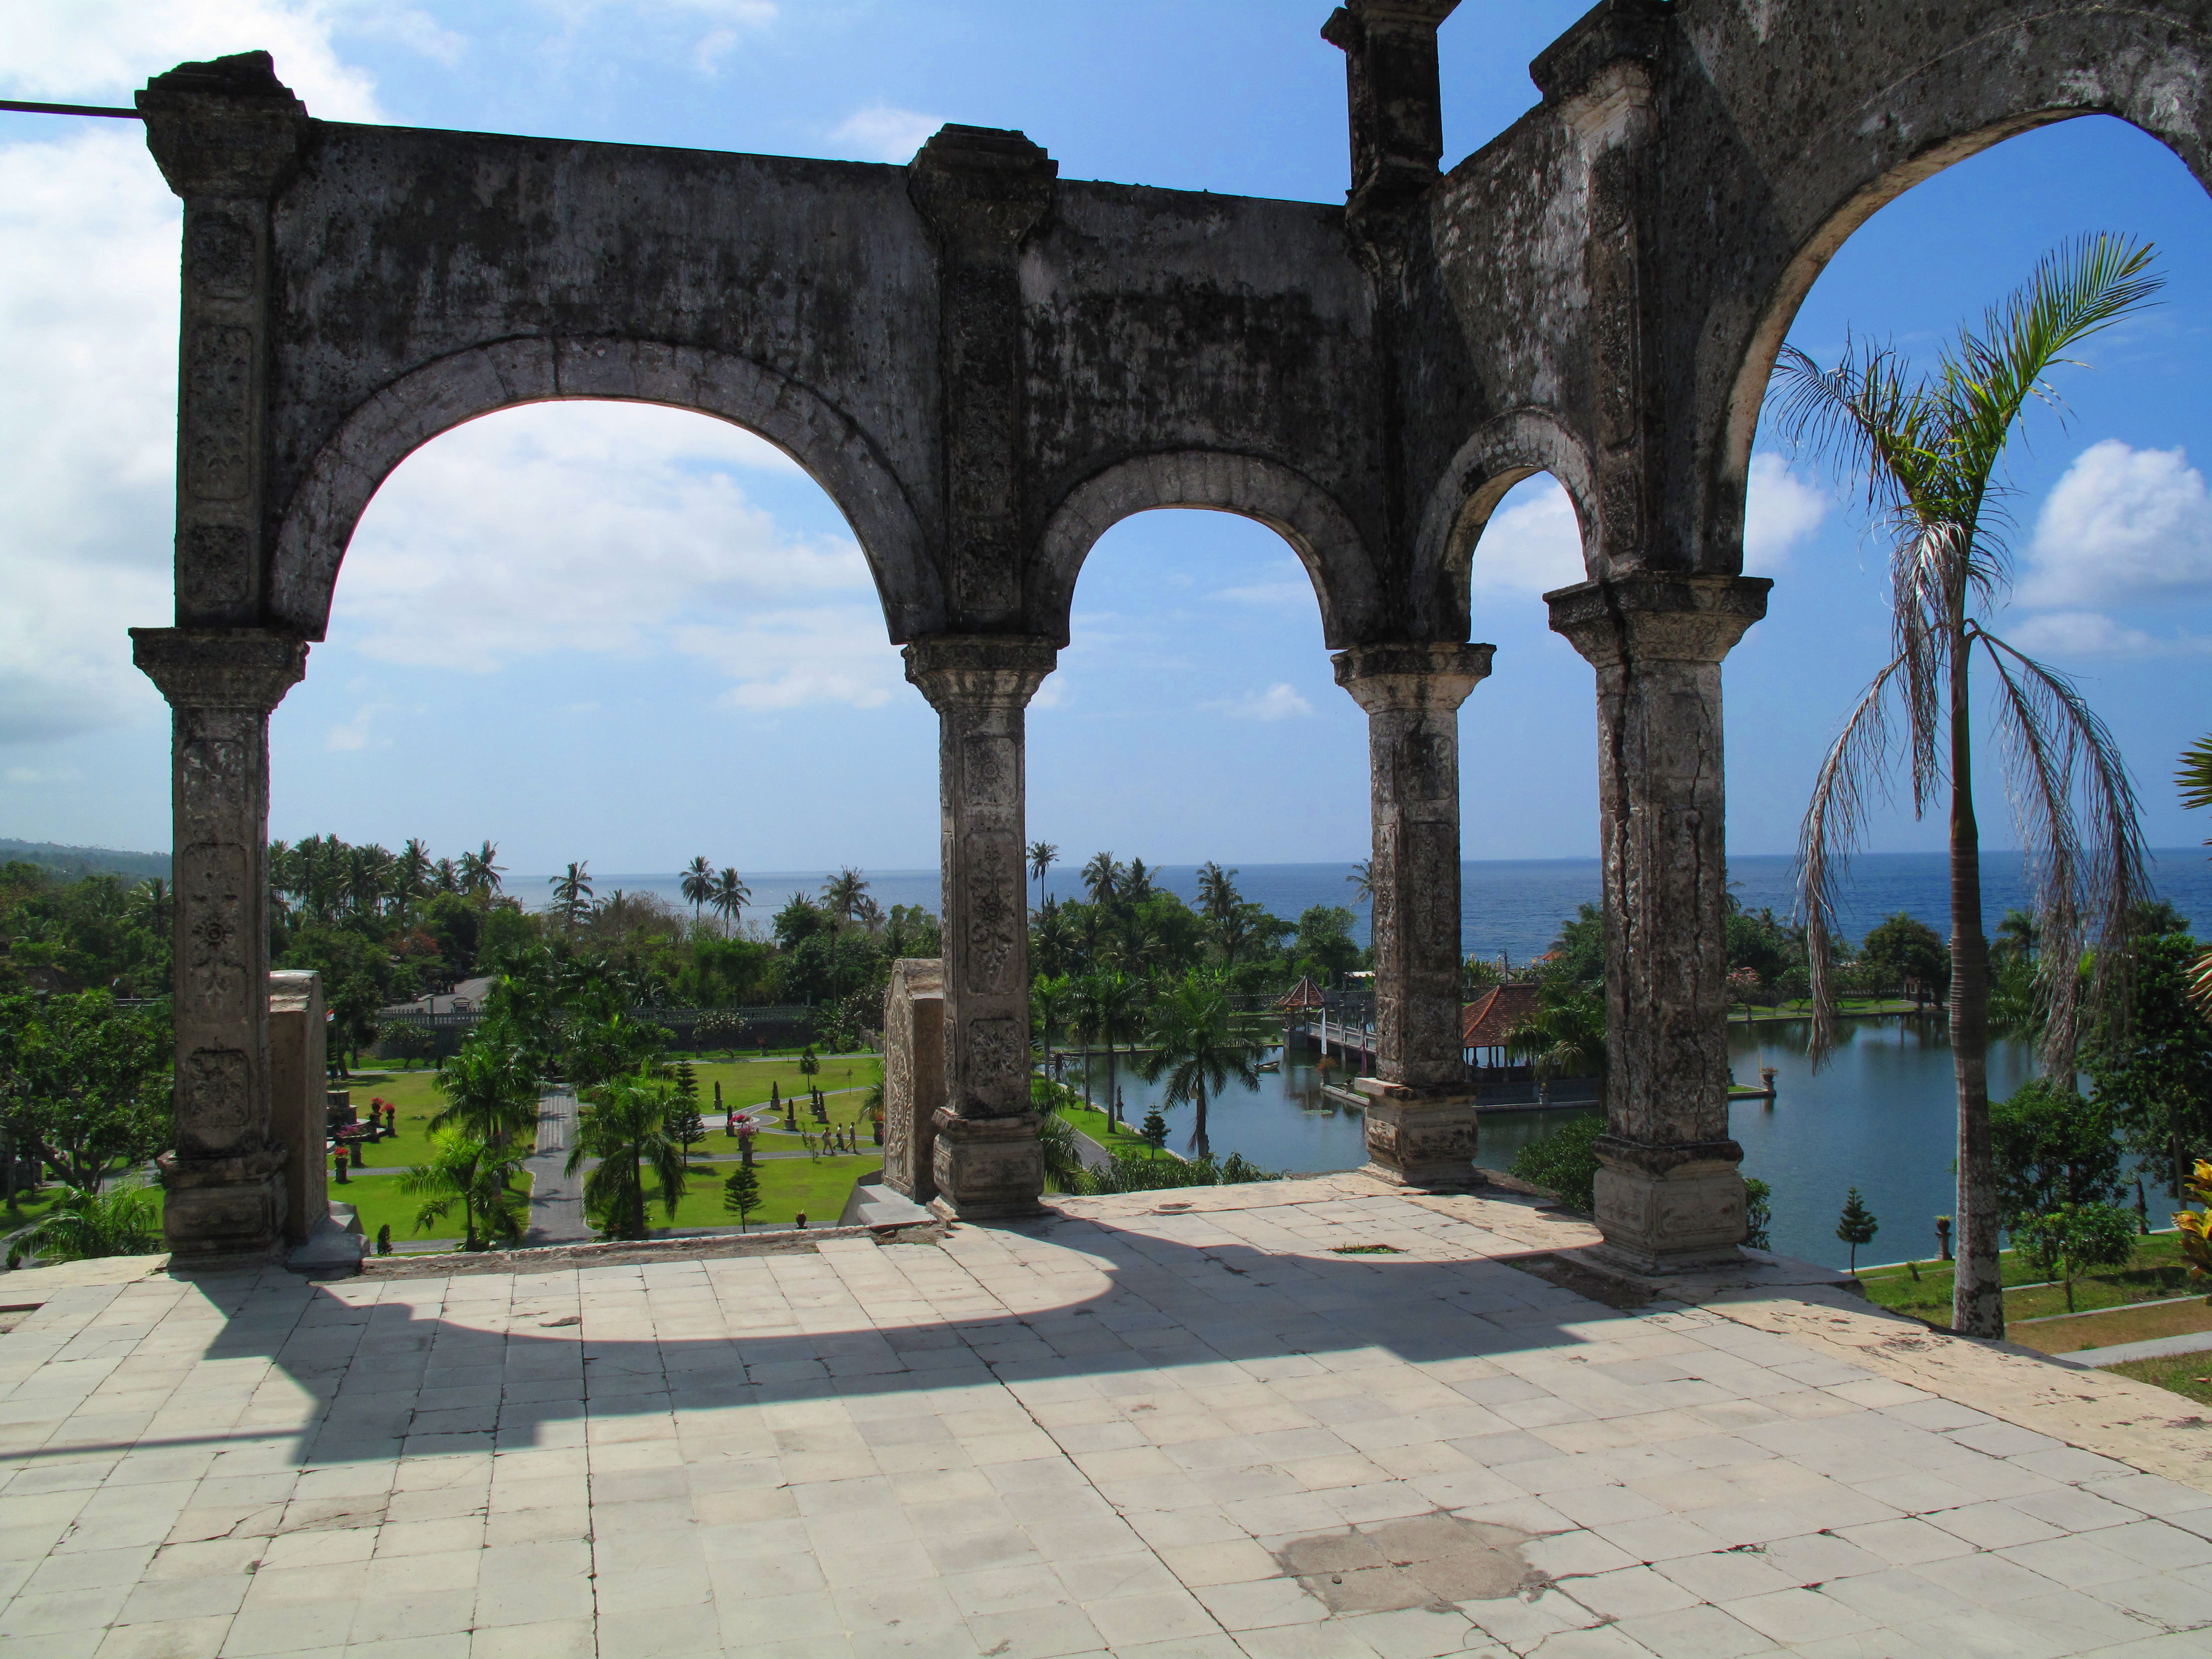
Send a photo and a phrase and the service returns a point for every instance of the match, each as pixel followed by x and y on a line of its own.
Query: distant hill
pixel 75 861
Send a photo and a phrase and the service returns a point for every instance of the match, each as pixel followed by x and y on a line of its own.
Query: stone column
pixel 914 1075
pixel 986 1161
pixel 298 1087
pixel 225 1176
pixel 1668 1195
pixel 1420 1112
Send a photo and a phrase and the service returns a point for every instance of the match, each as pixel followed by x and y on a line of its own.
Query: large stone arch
pixel 1318 529
pixel 319 521
pixel 2141 63
pixel 1499 453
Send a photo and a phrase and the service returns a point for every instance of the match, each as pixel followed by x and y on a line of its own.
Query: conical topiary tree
pixel 1856 1225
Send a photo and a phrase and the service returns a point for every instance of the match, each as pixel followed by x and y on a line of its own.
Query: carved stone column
pixel 1668 1195
pixel 1420 1113
pixel 986 1160
pixel 225 1176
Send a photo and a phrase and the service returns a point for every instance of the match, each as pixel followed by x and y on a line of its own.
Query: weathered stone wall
pixel 299 1076
pixel 914 1074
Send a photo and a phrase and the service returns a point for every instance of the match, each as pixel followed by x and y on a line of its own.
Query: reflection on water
pixel 1881 1115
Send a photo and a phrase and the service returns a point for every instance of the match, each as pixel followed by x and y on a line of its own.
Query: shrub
pixel 1564 1162
pixel 85 1223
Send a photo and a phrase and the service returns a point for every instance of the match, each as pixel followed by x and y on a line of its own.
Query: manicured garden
pixel 1924 1289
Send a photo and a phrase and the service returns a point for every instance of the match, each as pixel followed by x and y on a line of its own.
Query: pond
pixel 1881 1115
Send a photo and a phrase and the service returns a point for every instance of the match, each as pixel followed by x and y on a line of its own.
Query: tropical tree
pixel 410 872
pixel 1218 897
pixel 2194 778
pixel 481 870
pixel 1051 996
pixel 1110 1003
pixel 1103 877
pixel 844 893
pixel 625 1127
pixel 1136 883
pixel 1363 881
pixel 1042 855
pixel 730 898
pixel 474 1173
pixel 1196 1048
pixel 572 895
pixel 490 1087
pixel 741 1192
pixel 697 884
pixel 1929 448
pixel 84 1223
pixel 1564 1036
pixel 152 904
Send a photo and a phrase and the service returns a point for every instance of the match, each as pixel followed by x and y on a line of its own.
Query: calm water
pixel 1881 1115
pixel 1508 907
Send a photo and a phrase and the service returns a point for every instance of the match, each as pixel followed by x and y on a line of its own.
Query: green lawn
pixel 745 1082
pixel 377 1198
pixel 2158 1270
pixel 2185 1373
pixel 788 1185
pixel 1093 1123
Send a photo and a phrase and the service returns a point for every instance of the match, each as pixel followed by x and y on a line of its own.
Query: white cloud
pixel 2088 633
pixel 354 734
pixel 2122 524
pixel 1779 511
pixel 609 528
pixel 87 426
pixel 102 50
pixel 1278 701
pixel 1533 543
pixel 882 133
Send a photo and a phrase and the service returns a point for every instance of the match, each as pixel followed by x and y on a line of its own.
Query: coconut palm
pixel 730 898
pixel 1196 1047
pixel 474 1173
pixel 2194 780
pixel 445 876
pixel 490 1088
pixel 481 870
pixel 85 1223
pixel 1930 447
pixel 1102 878
pixel 410 872
pixel 1564 1037
pixel 151 903
pixel 572 894
pixel 625 1127
pixel 1051 996
pixel 1363 881
pixel 843 894
pixel 1136 883
pixel 698 883
pixel 1042 856
pixel 1110 1003
pixel 1218 897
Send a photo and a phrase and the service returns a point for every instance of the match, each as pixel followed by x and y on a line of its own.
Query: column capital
pixel 221 667
pixel 981 190
pixel 1657 616
pixel 1402 677
pixel 226 127
pixel 972 670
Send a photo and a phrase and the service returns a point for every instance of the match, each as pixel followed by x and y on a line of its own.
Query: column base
pixel 1667 1209
pixel 987 1169
pixel 1418 1137
pixel 224 1209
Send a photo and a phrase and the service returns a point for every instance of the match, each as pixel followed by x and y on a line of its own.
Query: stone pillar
pixel 914 1075
pixel 298 1080
pixel 1392 94
pixel 1668 1195
pixel 1420 1112
pixel 986 1161
pixel 225 1175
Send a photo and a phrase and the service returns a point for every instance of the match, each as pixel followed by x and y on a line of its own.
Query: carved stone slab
pixel 914 1074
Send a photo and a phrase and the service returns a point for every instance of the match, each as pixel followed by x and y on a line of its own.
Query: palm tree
pixel 626 1129
pixel 1363 882
pixel 1136 883
pixel 730 898
pixel 1050 995
pixel 490 1088
pixel 571 894
pixel 151 903
pixel 1563 1038
pixel 410 872
pixel 474 1174
pixel 1052 940
pixel 1196 1048
pixel 1102 878
pixel 843 894
pixel 481 870
pixel 445 876
pixel 1111 1004
pixel 698 883
pixel 1042 855
pixel 1930 447
pixel 1218 897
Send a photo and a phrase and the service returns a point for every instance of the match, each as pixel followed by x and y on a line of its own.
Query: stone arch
pixel 1295 509
pixel 1501 453
pixel 319 521
pixel 2144 66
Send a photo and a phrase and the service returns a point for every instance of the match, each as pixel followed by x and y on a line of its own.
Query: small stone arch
pixel 1319 531
pixel 319 521
pixel 1501 453
pixel 2141 65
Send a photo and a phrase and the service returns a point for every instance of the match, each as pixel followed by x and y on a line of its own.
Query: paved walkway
pixel 1164 1427
pixel 556 1198
pixel 2156 1348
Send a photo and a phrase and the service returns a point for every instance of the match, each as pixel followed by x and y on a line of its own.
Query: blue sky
pixel 630 635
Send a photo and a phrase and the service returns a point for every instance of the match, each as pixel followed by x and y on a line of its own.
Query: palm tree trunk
pixel 1199 1145
pixel 1113 1081
pixel 1977 1290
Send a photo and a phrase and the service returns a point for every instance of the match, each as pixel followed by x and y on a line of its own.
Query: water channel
pixel 1881 1115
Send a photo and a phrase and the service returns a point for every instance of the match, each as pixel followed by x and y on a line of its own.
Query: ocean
pixel 1508 907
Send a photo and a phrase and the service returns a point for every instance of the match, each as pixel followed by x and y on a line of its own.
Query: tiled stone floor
pixel 1192 1434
